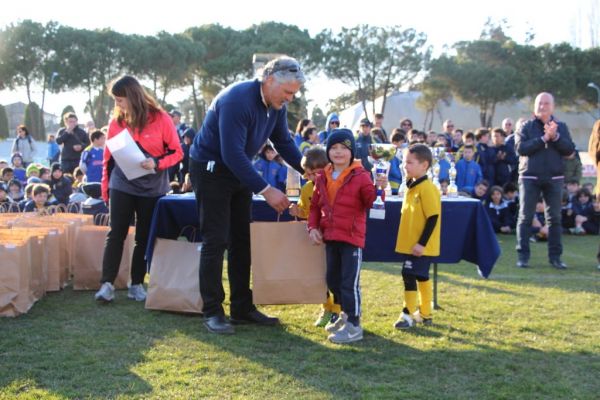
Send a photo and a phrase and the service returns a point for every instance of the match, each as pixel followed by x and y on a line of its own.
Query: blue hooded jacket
pixel 323 135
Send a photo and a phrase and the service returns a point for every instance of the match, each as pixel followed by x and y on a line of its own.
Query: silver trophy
pixel 381 154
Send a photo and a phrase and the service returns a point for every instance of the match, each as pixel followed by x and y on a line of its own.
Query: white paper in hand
pixel 127 155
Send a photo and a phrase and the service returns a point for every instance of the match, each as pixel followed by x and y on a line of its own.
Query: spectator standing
pixel 363 142
pixel 542 143
pixel 239 121
pixel 25 145
pixel 154 132
pixel 74 140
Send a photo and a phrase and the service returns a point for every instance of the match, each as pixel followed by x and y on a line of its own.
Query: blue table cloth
pixel 467 233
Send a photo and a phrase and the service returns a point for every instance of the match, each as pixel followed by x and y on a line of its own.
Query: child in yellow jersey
pixel 418 237
pixel 313 162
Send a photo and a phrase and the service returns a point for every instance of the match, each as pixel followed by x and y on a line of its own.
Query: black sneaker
pixel 558 264
pixel 522 264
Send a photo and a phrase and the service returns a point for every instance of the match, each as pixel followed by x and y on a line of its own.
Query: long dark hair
pixel 141 104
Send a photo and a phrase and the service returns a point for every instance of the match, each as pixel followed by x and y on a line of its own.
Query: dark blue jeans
pixel 224 207
pixel 529 193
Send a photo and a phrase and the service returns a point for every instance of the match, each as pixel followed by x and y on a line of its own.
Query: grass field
pixel 521 334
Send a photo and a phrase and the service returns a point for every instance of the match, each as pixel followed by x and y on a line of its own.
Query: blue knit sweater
pixel 236 126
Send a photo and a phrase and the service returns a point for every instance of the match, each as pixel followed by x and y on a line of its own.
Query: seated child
pixel 15 190
pixel 17 166
pixel 418 238
pixel 61 186
pixel 567 219
pixel 481 190
pixel 7 174
pixel 4 198
pixel 269 168
pixel 39 202
pixel 539 229
pixel 338 217
pixel 32 170
pixel 313 162
pixel 584 211
pixel 499 212
pixel 94 204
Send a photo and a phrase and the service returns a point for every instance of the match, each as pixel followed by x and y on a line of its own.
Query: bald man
pixel 541 143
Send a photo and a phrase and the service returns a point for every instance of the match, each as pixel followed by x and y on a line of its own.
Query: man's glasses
pixel 334 123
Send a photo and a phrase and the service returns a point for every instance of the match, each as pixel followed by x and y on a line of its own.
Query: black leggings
pixel 123 207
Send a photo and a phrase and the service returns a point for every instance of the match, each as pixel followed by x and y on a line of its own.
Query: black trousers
pixel 224 207
pixel 122 208
pixel 68 166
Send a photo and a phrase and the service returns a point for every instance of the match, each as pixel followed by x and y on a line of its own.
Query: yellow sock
pixel 329 305
pixel 425 297
pixel 410 301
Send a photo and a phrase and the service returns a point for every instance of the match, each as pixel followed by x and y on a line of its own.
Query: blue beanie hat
pixel 343 136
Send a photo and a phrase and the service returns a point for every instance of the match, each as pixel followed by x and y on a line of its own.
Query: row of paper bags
pixel 41 253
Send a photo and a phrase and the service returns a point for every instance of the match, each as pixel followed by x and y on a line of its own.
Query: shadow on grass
pixel 71 347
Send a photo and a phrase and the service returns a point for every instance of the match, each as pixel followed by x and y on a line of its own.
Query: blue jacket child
pixel 468 173
pixel 333 117
pixel 272 171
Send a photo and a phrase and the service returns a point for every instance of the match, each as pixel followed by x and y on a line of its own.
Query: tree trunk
pixel 28 88
pixel 91 101
pixel 42 107
pixel 196 123
pixel 491 115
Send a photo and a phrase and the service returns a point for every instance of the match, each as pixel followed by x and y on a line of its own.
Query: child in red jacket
pixel 338 211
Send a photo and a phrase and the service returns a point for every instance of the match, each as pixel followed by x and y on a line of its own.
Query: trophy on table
pixel 438 153
pixel 401 156
pixel 382 154
pixel 452 188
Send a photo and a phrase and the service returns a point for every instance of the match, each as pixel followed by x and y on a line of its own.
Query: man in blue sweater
pixel 238 123
pixel 542 143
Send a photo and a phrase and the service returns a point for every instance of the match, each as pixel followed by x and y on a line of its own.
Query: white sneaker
pixel 405 321
pixel 136 292
pixel 347 334
pixel 106 293
pixel 336 325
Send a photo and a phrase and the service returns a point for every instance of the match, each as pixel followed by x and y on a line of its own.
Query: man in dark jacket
pixel 74 140
pixel 542 142
pixel 238 123
pixel 363 141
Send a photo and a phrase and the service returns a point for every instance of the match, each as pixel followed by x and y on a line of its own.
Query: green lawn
pixel 521 334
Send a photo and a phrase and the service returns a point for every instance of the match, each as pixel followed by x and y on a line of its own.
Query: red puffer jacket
pixel 159 138
pixel 346 219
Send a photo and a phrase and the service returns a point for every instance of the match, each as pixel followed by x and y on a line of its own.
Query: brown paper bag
pixel 286 267
pixel 66 231
pixel 15 274
pixel 52 253
pixel 174 277
pixel 88 255
pixel 38 258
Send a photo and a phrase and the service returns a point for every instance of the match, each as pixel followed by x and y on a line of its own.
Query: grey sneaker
pixel 136 292
pixel 336 325
pixel 106 293
pixel 347 334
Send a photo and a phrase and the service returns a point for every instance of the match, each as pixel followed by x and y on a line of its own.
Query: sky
pixel 444 22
